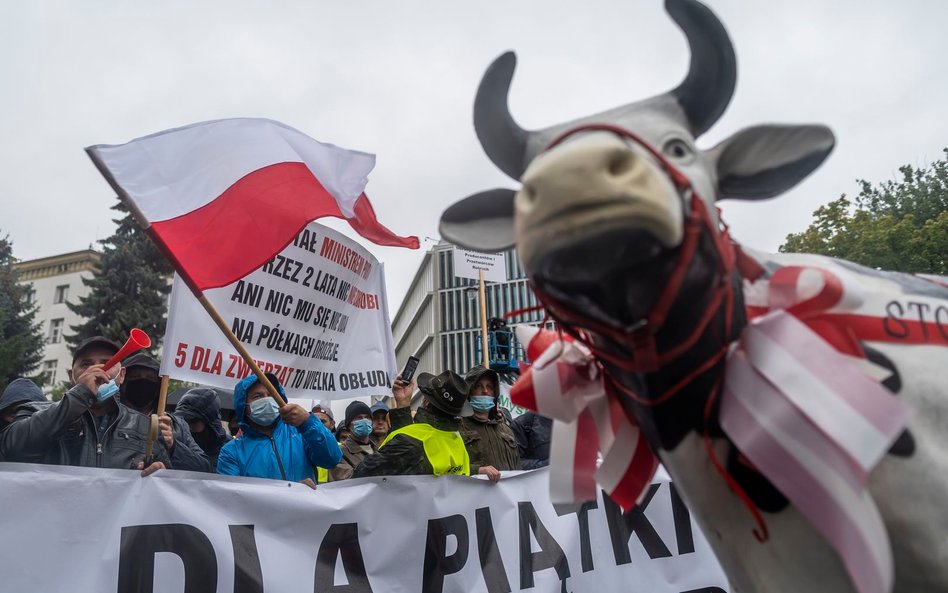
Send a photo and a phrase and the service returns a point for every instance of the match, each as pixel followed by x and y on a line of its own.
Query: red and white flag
pixel 223 197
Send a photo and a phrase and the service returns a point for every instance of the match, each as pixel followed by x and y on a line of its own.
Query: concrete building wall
pixel 55 281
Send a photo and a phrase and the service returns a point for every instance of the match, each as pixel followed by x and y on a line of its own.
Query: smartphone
pixel 409 371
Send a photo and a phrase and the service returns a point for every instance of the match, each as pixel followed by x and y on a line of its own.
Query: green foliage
pixel 21 339
pixel 129 290
pixel 899 225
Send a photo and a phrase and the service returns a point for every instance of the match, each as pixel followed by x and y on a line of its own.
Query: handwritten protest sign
pixel 316 316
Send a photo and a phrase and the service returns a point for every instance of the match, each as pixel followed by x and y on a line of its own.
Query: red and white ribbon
pixel 566 384
pixel 810 419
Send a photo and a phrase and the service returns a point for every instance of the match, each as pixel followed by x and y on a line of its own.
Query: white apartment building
pixel 55 281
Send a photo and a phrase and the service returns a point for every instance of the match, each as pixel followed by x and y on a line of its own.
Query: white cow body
pixel 605 224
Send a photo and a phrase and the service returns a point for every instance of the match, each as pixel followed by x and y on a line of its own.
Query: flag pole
pixel 163 395
pixel 485 359
pixel 229 334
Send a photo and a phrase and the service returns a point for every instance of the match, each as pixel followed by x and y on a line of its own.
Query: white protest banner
pixel 82 529
pixel 467 264
pixel 316 316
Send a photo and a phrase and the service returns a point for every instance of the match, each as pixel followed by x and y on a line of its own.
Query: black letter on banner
pixel 683 535
pixel 437 563
pixel 706 590
pixel 248 578
pixel 140 543
pixel 622 526
pixel 582 514
pixel 550 555
pixel 341 539
pixel 492 565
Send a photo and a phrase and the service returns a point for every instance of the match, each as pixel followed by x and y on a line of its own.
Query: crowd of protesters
pixel 105 420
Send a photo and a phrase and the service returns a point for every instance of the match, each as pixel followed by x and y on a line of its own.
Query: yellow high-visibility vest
pixel 445 450
pixel 322 475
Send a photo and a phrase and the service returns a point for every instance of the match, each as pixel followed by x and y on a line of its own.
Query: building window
pixel 55 331
pixel 29 296
pixel 49 372
pixel 62 293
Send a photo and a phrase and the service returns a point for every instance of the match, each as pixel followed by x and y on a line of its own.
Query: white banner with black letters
pixel 80 529
pixel 316 316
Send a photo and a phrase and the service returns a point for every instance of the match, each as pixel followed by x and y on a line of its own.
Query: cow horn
pixel 709 86
pixel 503 140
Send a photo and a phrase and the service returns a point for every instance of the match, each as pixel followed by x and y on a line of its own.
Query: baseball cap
pixel 94 342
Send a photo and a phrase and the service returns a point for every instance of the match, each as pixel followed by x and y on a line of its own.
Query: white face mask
pixel 264 411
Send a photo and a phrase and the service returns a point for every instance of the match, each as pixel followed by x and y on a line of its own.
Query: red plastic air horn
pixel 137 339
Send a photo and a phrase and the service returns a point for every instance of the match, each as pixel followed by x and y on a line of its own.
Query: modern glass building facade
pixel 439 319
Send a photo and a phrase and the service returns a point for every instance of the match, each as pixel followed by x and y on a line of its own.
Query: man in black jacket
pixel 431 445
pixel 533 439
pixel 139 392
pixel 87 427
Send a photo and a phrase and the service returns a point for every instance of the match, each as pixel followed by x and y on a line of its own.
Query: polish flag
pixel 221 198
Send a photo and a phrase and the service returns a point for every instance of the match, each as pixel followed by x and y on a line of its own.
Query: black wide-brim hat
pixel 447 392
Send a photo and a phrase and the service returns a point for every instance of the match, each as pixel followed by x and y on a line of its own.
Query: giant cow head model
pixel 616 225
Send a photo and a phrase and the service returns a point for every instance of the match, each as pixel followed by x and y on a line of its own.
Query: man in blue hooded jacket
pixel 278 442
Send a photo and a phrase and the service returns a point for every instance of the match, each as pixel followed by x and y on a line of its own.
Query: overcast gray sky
pixel 397 78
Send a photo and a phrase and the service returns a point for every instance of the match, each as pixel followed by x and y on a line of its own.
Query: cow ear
pixel 765 161
pixel 482 222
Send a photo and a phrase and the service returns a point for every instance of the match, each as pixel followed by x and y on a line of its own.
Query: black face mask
pixel 207 440
pixel 140 393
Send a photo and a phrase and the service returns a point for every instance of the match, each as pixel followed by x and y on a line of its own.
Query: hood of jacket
pixel 205 405
pixel 240 398
pixel 20 391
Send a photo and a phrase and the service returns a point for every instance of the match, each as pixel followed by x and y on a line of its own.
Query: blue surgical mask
pixel 107 390
pixel 264 411
pixel 481 403
pixel 362 427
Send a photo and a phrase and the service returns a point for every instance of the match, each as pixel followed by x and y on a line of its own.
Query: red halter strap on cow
pixel 641 336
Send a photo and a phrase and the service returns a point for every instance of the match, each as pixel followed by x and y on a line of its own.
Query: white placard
pixel 111 530
pixel 316 316
pixel 467 264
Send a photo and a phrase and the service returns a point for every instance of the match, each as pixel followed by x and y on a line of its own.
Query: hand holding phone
pixel 409 371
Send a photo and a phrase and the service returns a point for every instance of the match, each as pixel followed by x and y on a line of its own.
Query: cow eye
pixel 677 148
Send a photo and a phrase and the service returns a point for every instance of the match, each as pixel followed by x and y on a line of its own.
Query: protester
pixel 431 445
pixel 88 427
pixel 324 415
pixel 342 432
pixel 17 393
pixel 277 442
pixel 200 408
pixel 139 392
pixel 358 445
pixel 533 439
pixel 232 425
pixel 380 426
pixel 487 431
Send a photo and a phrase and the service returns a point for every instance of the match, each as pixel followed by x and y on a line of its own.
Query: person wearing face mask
pixel 88 427
pixel 487 432
pixel 358 444
pixel 200 408
pixel 139 392
pixel 280 442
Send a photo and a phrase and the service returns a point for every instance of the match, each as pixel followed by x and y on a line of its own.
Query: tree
pixel 897 225
pixel 130 289
pixel 21 339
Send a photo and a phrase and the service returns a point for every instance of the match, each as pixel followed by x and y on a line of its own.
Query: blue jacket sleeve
pixel 227 460
pixel 320 445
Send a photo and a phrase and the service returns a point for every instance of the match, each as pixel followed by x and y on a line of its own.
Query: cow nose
pixel 580 174
pixel 596 182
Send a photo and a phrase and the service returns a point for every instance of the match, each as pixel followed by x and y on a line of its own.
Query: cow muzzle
pixel 592 185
